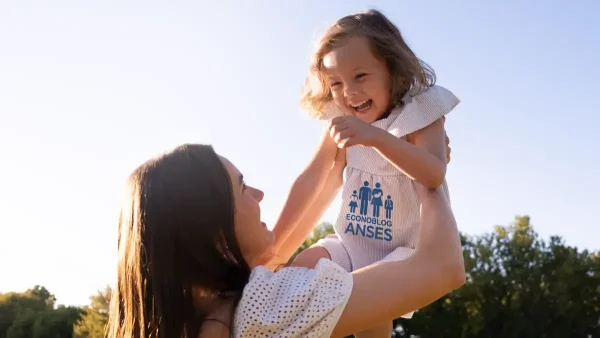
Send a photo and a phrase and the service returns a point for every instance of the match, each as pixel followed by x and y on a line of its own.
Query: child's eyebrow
pixel 330 77
pixel 362 68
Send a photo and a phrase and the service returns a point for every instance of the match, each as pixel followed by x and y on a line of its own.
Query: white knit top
pixel 293 302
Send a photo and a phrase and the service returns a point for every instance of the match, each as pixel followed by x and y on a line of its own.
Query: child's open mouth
pixel 363 106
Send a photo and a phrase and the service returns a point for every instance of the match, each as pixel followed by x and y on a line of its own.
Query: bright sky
pixel 89 90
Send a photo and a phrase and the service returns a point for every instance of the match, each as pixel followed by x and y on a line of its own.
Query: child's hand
pixel 349 131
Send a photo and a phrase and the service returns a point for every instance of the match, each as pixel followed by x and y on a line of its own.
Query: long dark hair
pixel 176 235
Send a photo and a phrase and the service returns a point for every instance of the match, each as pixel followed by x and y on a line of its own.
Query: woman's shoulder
pixel 324 267
pixel 293 301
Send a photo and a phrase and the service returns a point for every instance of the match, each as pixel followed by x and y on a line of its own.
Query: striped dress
pixel 379 217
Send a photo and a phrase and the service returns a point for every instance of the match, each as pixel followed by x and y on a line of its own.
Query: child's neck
pixel 385 114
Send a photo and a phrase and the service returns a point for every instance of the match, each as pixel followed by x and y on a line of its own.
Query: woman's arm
pixel 305 190
pixel 315 212
pixel 385 291
pixel 423 159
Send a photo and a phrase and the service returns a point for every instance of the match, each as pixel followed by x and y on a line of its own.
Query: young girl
pixel 385 112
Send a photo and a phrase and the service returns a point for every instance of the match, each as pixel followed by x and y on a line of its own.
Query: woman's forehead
pixel 234 173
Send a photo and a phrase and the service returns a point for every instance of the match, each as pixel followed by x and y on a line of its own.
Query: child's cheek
pixel 342 106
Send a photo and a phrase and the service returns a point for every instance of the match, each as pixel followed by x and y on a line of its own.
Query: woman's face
pixel 253 236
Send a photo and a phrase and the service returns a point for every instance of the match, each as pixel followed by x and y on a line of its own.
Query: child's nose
pixel 350 90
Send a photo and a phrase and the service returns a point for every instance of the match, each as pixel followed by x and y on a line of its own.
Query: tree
pixel 320 231
pixel 33 314
pixel 517 286
pixel 95 316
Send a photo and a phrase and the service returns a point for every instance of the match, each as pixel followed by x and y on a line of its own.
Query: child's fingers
pixel 343 135
pixel 337 120
pixel 348 142
pixel 336 129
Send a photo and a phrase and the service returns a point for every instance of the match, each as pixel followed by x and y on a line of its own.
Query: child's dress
pixel 379 218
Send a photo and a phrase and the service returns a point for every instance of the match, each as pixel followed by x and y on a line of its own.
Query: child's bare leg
pixel 381 331
pixel 310 257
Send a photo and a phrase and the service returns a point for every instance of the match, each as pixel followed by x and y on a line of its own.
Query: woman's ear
pixel 223 248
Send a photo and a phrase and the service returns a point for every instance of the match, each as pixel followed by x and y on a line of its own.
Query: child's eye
pixel 334 84
pixel 244 186
pixel 361 75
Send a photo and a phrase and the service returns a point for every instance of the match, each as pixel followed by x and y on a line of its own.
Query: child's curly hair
pixel 406 70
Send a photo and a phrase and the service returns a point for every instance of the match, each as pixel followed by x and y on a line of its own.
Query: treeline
pixel 34 314
pixel 518 285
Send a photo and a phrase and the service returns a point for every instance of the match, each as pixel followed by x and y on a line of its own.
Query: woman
pixel 192 250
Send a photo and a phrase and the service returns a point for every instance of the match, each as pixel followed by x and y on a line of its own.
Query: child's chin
pixel 366 117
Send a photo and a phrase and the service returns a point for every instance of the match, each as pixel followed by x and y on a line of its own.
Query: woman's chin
pixel 267 257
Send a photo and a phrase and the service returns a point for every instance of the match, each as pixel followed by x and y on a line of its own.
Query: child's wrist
pixel 379 138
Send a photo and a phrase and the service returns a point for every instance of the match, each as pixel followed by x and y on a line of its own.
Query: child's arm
pixel 305 190
pixel 422 157
pixel 423 161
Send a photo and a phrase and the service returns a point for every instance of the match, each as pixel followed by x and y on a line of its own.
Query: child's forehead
pixel 355 53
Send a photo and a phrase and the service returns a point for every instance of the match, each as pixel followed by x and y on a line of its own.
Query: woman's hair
pixel 176 235
pixel 406 70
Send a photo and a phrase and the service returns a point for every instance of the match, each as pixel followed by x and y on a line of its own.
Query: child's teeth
pixel 360 104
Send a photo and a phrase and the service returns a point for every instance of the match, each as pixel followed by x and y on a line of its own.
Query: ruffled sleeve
pixel 422 110
pixel 293 302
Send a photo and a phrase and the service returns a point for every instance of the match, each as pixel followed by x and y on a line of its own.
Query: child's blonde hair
pixel 406 70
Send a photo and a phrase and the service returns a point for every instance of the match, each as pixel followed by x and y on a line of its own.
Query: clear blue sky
pixel 88 90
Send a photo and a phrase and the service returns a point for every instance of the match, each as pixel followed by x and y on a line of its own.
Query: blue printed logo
pixel 374 227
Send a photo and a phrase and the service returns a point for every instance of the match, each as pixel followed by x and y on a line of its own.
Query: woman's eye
pixel 361 75
pixel 334 84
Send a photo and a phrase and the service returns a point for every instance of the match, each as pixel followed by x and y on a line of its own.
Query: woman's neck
pixel 217 323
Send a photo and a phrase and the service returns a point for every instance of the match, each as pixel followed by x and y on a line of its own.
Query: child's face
pixel 359 81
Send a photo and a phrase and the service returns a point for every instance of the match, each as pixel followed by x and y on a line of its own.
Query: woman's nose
pixel 258 194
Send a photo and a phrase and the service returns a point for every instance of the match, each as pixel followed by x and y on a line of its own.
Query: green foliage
pixel 95 316
pixel 320 231
pixel 517 286
pixel 32 314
